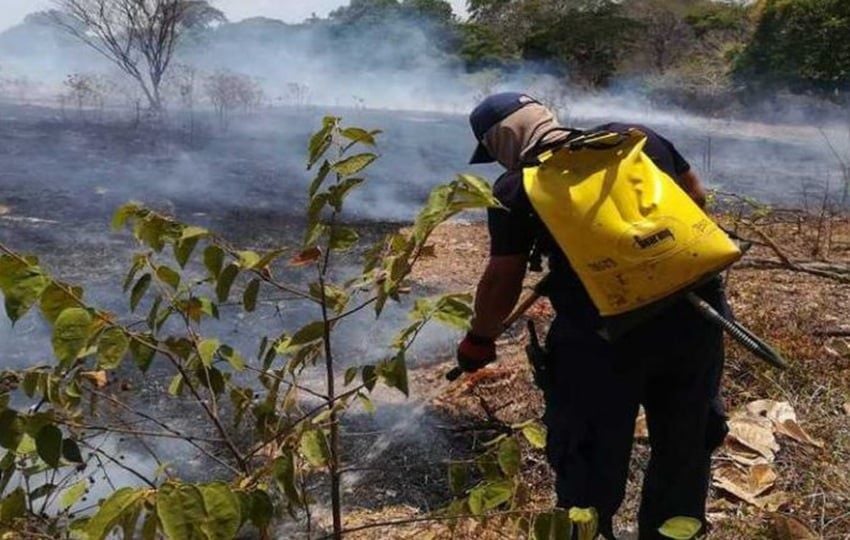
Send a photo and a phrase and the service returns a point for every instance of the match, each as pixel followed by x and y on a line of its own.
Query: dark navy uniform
pixel 670 364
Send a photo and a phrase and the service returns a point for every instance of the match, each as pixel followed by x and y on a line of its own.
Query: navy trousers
pixel 672 365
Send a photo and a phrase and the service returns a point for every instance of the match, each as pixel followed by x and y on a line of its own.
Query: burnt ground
pixel 804 316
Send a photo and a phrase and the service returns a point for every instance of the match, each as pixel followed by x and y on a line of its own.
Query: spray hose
pixel 747 339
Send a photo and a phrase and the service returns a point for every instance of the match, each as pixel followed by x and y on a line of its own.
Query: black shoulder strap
pixel 578 140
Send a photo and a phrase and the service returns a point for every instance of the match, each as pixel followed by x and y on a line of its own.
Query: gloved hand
pixel 475 352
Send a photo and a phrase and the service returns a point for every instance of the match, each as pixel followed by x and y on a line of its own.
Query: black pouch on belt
pixel 538 356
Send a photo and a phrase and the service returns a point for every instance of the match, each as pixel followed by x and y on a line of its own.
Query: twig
pixel 124 466
pixel 408 521
pixel 794 266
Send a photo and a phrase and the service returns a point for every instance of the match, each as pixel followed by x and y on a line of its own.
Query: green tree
pixel 801 45
pixel 589 39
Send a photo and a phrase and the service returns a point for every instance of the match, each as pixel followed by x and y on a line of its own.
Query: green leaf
pixel 168 276
pixel 248 259
pixel 232 357
pixel 311 238
pixel 312 332
pixel 193 233
pixel 339 192
pixel 249 298
pixel 222 512
pixel 73 494
pixel 359 135
pixel 458 478
pixel 154 231
pixel 369 376
pixel 139 290
pixel 335 298
pixel 314 447
pixel 535 434
pixel 125 212
pixel 455 311
pixel 261 509
pixel 283 471
pixel 343 238
pixel 180 509
pixel 10 429
pixel 175 388
pixel 509 457
pixel 394 373
pixel 70 334
pixel 71 451
pixel 207 350
pixel 155 317
pixel 48 443
pixel 111 348
pixel 14 506
pixel 317 182
pixel 354 164
pixel 55 300
pixel 681 528
pixel 586 521
pixel 21 284
pixel 269 258
pixel 139 262
pixel 183 250
pixel 490 496
pixel 142 354
pixel 187 512
pixel 111 511
pixel 225 282
pixel 350 375
pixel 213 260
pixel 314 211
pixel 321 140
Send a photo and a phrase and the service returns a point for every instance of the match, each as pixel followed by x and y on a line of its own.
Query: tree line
pixel 699 53
pixel 696 48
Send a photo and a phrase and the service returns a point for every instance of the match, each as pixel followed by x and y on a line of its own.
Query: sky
pixel 13 11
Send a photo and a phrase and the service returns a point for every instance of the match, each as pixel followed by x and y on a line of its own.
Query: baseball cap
pixel 490 112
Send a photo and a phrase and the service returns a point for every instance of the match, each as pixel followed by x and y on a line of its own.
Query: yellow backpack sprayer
pixel 635 239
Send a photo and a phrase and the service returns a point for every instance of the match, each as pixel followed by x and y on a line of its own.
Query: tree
pixel 801 45
pixel 666 36
pixel 588 38
pixel 139 36
pixel 227 91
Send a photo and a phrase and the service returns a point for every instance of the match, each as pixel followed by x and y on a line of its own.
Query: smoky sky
pixel 13 11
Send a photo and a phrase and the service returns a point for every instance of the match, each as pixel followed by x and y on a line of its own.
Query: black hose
pixel 743 336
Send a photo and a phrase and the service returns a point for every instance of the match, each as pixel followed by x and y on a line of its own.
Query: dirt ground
pixel 805 316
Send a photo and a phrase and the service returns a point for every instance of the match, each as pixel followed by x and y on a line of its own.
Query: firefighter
pixel 670 364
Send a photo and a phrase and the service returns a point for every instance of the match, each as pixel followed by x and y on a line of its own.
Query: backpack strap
pixel 578 140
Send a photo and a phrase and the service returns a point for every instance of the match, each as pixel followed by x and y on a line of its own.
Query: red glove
pixel 475 352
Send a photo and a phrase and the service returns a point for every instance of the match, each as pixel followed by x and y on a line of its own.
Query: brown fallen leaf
pixel 847 408
pixel 756 434
pixel 784 419
pixel 794 431
pixel 746 484
pixel 790 528
pixel 741 454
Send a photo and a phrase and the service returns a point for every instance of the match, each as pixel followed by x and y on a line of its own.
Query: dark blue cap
pixel 490 112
